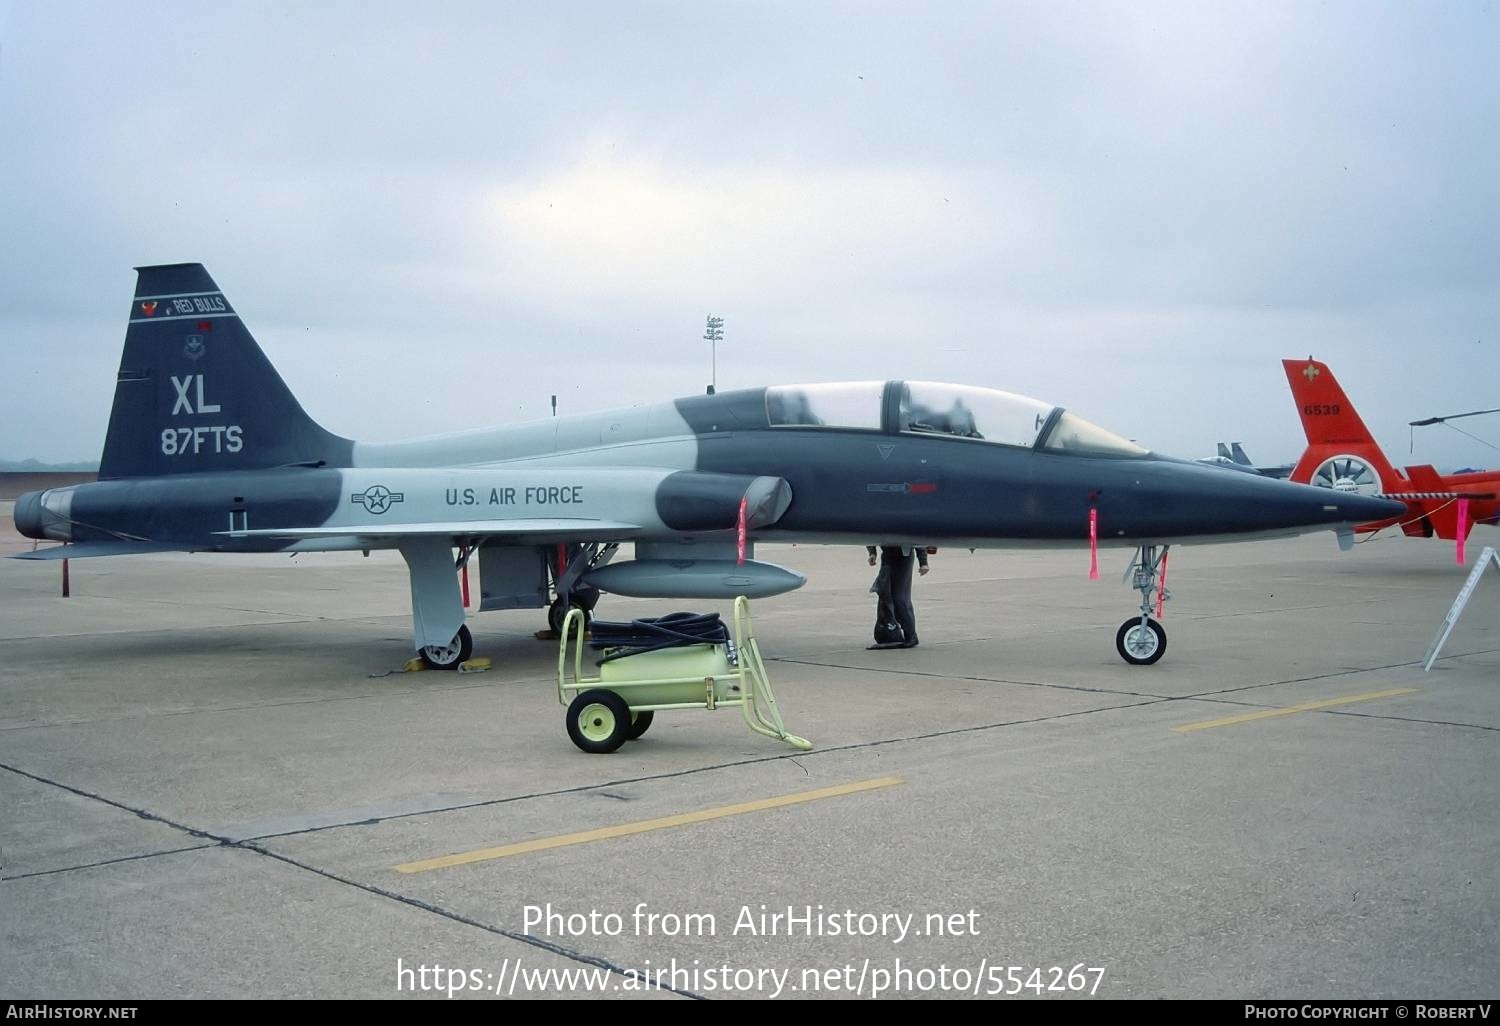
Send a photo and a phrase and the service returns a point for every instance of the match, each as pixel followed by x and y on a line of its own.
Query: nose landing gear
pixel 1142 640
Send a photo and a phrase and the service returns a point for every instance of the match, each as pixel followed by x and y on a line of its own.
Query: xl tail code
pixel 195 393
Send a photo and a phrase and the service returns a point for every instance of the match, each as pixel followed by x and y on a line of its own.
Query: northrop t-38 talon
pixel 207 450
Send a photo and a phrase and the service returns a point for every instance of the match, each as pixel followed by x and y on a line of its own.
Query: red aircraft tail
pixel 1342 454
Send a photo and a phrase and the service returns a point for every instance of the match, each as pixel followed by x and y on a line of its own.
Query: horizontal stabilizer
pixel 82 550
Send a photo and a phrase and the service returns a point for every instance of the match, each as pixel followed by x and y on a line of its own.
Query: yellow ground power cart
pixel 680 661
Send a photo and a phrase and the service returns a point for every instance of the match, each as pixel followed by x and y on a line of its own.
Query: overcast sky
pixel 436 216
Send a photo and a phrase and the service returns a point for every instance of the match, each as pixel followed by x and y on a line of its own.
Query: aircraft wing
pixel 537 531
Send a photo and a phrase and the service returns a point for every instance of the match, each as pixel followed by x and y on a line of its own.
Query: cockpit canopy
pixel 927 407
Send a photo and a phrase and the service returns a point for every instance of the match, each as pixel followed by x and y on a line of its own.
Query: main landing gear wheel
pixel 1141 646
pixel 599 721
pixel 558 612
pixel 447 657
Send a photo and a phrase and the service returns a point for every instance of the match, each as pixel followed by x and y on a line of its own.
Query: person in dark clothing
pixel 895 617
pixel 921 557
pixel 887 631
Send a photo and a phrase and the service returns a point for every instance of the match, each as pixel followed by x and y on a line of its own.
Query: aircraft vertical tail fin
pixel 1239 456
pixel 1341 453
pixel 195 392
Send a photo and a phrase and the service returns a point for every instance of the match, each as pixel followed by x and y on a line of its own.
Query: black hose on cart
pixel 651 634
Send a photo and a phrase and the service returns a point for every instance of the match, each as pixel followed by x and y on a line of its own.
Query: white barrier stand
pixel 1485 559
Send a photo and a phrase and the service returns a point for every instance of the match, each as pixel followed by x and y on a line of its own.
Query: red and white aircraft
pixel 1341 454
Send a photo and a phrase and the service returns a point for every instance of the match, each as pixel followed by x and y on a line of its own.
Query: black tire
pixel 1140 648
pixel 558 612
pixel 599 721
pixel 449 656
pixel 640 723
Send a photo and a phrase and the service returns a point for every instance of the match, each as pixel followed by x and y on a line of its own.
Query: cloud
pixel 634 227
pixel 1136 210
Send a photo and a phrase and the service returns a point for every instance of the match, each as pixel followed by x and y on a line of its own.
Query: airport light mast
pixel 712 336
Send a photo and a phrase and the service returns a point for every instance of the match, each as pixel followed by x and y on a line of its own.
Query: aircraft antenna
pixel 712 335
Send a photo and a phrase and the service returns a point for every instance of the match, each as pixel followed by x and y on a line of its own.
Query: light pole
pixel 712 336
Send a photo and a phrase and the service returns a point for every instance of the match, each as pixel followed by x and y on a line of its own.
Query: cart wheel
pixel 639 723
pixel 599 721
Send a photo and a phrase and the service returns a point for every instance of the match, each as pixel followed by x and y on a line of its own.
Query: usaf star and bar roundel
pixel 377 498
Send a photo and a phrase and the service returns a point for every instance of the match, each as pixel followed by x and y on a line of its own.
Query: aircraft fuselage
pixel 208 450
pixel 680 469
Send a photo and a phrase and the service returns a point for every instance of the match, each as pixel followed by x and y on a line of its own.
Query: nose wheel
pixel 1142 640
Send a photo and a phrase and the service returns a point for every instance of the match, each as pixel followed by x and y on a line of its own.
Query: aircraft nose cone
pixel 1360 509
pixel 28 515
pixel 1193 500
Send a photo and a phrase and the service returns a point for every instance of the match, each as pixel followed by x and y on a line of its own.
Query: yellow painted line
pixel 1266 714
pixel 645 826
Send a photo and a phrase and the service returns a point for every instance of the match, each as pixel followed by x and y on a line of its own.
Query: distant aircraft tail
pixel 1238 455
pixel 195 392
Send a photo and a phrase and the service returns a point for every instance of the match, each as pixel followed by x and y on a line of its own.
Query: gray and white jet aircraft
pixel 1236 459
pixel 208 450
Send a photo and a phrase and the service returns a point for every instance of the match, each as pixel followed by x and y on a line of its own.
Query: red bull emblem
pixel 149 308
